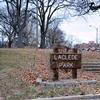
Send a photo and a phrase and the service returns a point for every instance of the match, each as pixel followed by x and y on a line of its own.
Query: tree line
pixel 19 20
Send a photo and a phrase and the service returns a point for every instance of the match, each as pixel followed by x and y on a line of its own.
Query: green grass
pixel 10 58
pixel 12 88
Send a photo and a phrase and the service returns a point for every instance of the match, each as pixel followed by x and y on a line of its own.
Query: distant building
pixel 90 46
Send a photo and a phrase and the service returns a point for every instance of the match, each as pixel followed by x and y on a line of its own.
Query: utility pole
pixel 96 28
pixel 37 33
pixel 96 35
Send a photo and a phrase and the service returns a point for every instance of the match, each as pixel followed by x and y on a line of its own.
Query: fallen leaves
pixel 42 69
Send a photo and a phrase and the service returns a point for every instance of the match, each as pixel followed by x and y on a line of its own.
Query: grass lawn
pixel 17 72
pixel 11 87
pixel 13 58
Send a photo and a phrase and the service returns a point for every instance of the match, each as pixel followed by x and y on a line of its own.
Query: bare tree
pixel 17 12
pixel 46 9
pixel 9 33
pixel 71 40
pixel 83 7
pixel 54 35
pixel 5 27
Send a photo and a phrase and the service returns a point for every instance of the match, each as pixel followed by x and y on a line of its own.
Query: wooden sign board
pixel 61 49
pixel 65 58
pixel 65 61
pixel 66 65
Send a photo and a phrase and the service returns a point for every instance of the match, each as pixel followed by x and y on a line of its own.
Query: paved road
pixel 78 97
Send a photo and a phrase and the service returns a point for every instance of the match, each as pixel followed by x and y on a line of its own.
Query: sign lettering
pixel 66 57
pixel 65 65
pixel 62 50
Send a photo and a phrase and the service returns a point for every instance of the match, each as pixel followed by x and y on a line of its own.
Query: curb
pixel 77 97
pixel 66 83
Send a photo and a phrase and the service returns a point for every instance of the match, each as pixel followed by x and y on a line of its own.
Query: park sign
pixel 65 58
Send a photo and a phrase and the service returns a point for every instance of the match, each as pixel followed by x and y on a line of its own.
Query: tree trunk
pixel 20 41
pixel 42 43
pixel 9 44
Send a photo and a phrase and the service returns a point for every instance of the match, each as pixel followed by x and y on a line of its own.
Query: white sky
pixel 79 27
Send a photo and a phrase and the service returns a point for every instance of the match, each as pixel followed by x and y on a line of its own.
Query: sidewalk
pixel 77 97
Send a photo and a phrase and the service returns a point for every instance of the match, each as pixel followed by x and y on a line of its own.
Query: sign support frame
pixel 64 50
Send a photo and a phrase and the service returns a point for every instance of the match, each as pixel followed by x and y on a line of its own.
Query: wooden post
pixel 55 71
pixel 55 74
pixel 74 73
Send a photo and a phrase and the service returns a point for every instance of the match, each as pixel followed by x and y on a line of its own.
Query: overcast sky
pixel 79 27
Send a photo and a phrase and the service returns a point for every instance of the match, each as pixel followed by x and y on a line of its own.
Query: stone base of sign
pixel 66 83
